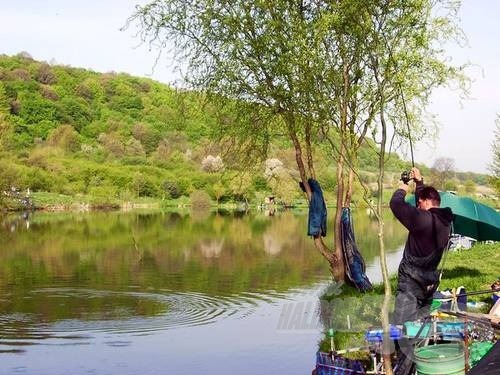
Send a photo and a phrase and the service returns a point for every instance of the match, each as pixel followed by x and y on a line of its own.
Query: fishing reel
pixel 405 177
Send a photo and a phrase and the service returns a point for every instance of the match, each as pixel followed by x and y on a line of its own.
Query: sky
pixel 87 34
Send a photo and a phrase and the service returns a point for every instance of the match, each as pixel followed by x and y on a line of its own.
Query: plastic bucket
pixel 440 359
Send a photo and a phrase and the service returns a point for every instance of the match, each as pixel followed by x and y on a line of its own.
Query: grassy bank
pixel 48 201
pixel 475 269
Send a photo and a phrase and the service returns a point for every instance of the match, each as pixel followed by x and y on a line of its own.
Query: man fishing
pixel 428 232
pixel 418 278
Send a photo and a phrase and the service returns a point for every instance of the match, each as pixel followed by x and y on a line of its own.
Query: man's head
pixel 428 197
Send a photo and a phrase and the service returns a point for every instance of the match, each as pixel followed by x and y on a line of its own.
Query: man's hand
pixel 415 174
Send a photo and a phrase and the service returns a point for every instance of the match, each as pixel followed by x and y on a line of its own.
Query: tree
pixel 4 102
pixel 4 112
pixel 218 191
pixel 241 187
pixel 494 166
pixel 45 75
pixel 310 71
pixel 148 136
pixel 442 170
pixel 212 164
pixel 64 137
pixel 112 143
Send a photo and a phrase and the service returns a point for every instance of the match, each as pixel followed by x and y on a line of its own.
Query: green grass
pixel 44 199
pixel 475 269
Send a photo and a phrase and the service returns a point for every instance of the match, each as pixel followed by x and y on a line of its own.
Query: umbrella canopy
pixel 471 218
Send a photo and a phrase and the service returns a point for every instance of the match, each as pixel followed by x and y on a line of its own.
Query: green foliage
pixel 77 132
pixel 37 179
pixel 147 136
pixel 4 101
pixel 172 189
pixel 470 187
pixel 450 185
pixel 9 174
pixel 143 186
pixel 74 111
pixel 328 182
pixel 260 183
pixel 35 108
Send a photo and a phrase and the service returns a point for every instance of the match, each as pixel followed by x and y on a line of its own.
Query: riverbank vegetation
pixel 77 138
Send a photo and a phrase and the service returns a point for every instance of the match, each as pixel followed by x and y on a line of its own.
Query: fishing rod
pixel 483 319
pixel 473 293
pixel 407 125
pixel 405 175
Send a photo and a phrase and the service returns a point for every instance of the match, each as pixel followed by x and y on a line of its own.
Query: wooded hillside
pixel 113 136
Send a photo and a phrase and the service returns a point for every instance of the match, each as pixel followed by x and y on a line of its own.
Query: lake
pixel 166 292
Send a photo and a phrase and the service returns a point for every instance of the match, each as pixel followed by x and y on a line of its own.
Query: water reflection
pixel 76 278
pixel 221 254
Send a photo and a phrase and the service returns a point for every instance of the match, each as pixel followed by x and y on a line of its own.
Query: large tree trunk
pixel 340 272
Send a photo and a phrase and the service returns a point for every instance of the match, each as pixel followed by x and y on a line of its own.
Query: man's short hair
pixel 428 192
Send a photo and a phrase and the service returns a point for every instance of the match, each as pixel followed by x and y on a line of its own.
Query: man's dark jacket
pixel 421 241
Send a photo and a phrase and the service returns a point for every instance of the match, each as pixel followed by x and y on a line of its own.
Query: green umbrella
pixel 471 218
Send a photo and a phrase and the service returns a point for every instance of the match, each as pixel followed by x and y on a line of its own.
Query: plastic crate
pixel 412 328
pixel 452 329
pixel 338 365
pixel 376 334
pixel 447 330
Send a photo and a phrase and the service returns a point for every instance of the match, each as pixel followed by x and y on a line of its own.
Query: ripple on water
pixel 82 312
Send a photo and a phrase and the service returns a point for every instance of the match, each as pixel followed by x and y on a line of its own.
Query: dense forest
pixel 112 137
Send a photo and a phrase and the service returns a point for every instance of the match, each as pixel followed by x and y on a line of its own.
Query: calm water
pixel 164 293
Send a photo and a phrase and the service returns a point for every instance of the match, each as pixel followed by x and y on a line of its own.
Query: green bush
pixel 450 185
pixel 74 111
pixel 144 186
pixel 37 179
pixel 35 108
pixel 64 137
pixel 172 189
pixel 199 199
pixel 9 174
pixel 94 128
pixel 42 129
pixel 260 183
